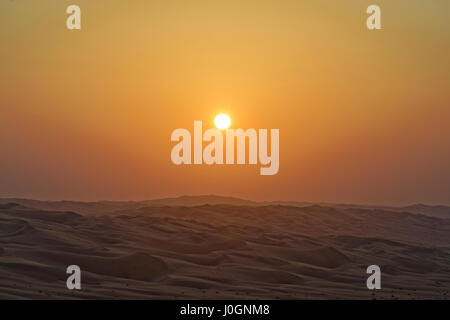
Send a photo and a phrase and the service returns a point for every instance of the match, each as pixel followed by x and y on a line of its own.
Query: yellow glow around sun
pixel 222 121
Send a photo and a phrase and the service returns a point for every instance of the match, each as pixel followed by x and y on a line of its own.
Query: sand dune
pixel 103 207
pixel 235 250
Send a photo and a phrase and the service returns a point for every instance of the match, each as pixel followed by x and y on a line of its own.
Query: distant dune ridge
pixel 211 247
pixel 102 207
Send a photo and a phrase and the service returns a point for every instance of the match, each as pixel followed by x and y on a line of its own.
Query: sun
pixel 222 121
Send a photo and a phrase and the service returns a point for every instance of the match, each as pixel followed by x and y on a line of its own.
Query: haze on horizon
pixel 364 116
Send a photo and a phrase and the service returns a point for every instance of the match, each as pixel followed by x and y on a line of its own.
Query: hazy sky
pixel 364 116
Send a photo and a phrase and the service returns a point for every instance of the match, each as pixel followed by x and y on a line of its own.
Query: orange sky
pixel 364 116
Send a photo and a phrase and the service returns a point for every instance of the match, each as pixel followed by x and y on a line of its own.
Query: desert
pixel 221 248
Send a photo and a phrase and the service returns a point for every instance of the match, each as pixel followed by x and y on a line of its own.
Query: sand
pixel 186 249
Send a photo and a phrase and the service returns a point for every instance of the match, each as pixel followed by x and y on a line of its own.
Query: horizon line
pixel 229 197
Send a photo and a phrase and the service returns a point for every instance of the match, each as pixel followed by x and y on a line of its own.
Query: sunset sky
pixel 364 116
